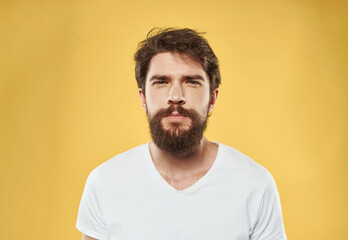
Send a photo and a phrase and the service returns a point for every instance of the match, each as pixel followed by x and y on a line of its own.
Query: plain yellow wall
pixel 69 101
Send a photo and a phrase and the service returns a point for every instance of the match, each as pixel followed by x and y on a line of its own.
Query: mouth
pixel 175 117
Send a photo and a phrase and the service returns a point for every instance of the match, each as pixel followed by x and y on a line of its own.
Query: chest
pixel 182 181
pixel 173 218
pixel 154 211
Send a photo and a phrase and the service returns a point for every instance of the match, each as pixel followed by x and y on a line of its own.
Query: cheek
pixel 199 102
pixel 155 99
pixel 199 96
pixel 203 108
pixel 152 107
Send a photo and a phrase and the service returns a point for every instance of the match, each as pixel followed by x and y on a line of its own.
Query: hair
pixel 183 41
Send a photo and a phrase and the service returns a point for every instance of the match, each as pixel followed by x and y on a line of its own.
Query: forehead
pixel 174 64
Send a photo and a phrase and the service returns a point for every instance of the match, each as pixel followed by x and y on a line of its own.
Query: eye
pixel 159 82
pixel 193 82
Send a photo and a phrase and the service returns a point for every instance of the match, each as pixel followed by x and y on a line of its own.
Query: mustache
pixel 191 113
pixel 162 113
pixel 158 115
pixel 172 108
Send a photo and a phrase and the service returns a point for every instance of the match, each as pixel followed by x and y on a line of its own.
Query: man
pixel 180 185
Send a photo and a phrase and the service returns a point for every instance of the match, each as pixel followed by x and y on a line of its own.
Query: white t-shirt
pixel 127 198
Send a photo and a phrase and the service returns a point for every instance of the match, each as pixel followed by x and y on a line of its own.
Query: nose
pixel 176 95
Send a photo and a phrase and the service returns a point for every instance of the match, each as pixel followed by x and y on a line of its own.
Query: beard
pixel 178 140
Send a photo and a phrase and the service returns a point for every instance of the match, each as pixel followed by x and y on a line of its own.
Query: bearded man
pixel 179 186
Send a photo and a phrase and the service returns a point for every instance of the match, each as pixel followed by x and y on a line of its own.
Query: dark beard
pixel 177 141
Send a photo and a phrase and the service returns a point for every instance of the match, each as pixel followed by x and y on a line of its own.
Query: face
pixel 177 100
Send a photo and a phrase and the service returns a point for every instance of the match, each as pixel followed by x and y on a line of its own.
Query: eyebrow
pixel 190 77
pixel 159 77
pixel 165 77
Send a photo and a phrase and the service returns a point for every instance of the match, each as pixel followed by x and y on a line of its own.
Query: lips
pixel 175 117
pixel 176 113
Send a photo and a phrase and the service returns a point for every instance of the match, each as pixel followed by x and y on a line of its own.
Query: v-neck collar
pixel 194 186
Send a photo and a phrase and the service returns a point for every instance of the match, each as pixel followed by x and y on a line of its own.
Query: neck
pixel 203 157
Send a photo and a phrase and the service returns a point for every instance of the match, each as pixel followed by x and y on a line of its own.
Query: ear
pixel 142 98
pixel 213 99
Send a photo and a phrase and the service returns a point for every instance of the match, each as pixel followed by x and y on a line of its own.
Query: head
pixel 178 78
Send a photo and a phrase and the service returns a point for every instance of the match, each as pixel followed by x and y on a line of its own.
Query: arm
pixel 269 225
pixel 85 237
pixel 90 219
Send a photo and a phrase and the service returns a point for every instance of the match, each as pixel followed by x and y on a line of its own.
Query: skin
pixel 177 79
pixel 85 237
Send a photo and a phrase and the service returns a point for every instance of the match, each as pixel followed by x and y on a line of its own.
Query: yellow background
pixel 69 101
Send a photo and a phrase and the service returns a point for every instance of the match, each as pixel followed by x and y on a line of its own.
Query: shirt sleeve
pixel 90 220
pixel 269 224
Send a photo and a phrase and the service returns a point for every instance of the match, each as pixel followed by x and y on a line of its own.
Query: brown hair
pixel 182 41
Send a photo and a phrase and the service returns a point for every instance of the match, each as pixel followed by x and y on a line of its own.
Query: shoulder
pixel 124 163
pixel 238 165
